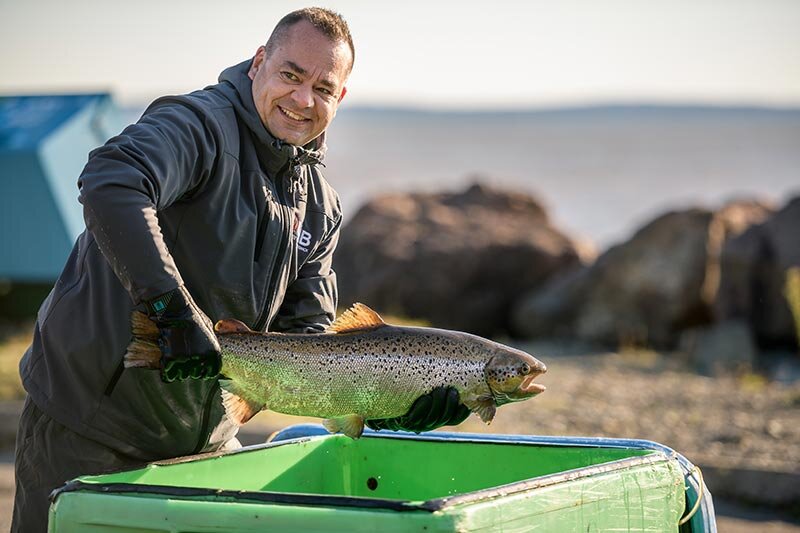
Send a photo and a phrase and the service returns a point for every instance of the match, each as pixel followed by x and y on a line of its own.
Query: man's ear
pixel 344 92
pixel 258 60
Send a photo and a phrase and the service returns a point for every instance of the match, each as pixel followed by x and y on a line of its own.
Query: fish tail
pixel 143 351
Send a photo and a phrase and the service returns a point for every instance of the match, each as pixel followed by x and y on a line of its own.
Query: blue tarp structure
pixel 44 142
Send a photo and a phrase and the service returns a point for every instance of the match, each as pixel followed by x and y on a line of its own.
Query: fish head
pixel 510 374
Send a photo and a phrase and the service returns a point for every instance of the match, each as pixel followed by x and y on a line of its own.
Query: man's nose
pixel 303 96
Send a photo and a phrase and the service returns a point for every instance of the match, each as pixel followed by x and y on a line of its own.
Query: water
pixel 601 171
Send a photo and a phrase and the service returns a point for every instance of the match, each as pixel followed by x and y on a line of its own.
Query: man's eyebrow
pixel 297 68
pixel 300 70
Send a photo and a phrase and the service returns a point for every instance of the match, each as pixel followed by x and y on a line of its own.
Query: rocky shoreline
pixel 720 285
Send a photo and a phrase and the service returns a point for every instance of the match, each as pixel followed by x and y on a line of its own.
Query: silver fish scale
pixel 377 374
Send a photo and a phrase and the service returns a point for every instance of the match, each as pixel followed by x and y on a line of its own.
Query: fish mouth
pixel 528 387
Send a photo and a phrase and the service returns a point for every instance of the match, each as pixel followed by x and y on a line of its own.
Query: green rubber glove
pixel 440 407
pixel 189 347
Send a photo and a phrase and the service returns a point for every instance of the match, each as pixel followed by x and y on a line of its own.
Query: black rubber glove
pixel 189 347
pixel 440 407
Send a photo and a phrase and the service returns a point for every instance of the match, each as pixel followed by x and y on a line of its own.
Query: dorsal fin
pixel 358 318
pixel 231 325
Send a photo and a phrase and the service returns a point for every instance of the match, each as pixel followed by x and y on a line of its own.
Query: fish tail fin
pixel 143 351
pixel 350 425
pixel 239 407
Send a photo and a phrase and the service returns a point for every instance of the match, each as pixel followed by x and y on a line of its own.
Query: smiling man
pixel 298 81
pixel 211 206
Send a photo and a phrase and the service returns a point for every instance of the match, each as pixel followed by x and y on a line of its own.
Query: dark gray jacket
pixel 197 192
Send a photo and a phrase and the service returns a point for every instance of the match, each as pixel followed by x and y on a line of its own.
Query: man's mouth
pixel 293 116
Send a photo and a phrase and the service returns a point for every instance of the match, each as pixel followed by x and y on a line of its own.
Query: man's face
pixel 297 89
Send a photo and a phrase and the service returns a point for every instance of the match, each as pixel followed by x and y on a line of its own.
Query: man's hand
pixel 189 348
pixel 440 407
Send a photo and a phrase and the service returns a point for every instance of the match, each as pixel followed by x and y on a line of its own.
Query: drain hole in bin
pixel 372 483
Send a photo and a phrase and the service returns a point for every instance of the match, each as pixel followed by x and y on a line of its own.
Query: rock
pixel 458 260
pixel 723 348
pixel 753 270
pixel 729 222
pixel 644 291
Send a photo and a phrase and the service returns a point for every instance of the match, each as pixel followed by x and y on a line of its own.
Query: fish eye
pixel 525 368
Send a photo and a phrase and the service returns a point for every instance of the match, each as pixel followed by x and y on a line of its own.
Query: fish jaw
pixel 529 388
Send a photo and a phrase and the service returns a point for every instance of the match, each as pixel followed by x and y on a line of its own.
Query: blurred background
pixel 614 186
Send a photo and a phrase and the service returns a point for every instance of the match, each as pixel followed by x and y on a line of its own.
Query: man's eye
pixel 289 76
pixel 325 91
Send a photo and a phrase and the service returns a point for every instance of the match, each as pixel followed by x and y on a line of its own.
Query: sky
pixel 447 54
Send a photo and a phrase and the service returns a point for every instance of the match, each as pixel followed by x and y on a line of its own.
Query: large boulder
pixel 458 260
pixel 646 290
pixel 753 270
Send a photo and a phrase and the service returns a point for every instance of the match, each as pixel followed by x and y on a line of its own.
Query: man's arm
pixel 310 302
pixel 149 166
pixel 168 155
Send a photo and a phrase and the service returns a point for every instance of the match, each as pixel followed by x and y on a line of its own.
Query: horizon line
pixel 598 104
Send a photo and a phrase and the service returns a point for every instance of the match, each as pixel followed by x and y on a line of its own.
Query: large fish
pixel 361 369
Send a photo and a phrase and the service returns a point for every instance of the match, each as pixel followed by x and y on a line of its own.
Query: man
pixel 211 206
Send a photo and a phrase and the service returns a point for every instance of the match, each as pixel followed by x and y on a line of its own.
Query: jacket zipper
pixel 262 229
pixel 277 261
pixel 201 441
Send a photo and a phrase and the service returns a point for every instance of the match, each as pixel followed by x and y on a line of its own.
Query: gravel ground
pixel 744 422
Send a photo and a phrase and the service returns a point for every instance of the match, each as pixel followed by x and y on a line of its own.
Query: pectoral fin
pixel 350 425
pixel 484 406
pixel 238 407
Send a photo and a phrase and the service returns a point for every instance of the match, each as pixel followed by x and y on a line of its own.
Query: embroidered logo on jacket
pixel 304 241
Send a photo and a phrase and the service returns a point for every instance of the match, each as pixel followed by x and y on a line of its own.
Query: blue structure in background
pixel 44 142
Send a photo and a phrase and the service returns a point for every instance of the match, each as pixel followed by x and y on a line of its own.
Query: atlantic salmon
pixel 361 369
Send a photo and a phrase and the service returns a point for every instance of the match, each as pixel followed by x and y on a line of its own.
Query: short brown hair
pixel 327 22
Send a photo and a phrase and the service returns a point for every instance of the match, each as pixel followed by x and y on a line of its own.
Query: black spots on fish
pixel 503 373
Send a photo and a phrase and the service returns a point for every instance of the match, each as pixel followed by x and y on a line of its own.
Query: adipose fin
pixel 231 325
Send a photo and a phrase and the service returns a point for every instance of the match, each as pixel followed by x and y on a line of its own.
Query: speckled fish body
pixel 376 373
pixel 361 369
pixel 366 369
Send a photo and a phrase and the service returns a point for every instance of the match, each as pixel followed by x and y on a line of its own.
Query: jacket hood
pixel 237 87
